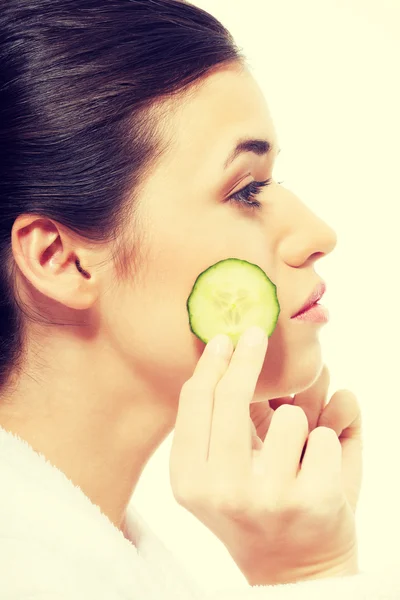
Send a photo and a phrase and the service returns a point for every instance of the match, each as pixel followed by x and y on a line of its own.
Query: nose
pixel 308 238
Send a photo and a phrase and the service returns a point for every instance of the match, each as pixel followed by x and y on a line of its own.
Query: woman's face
pixel 187 224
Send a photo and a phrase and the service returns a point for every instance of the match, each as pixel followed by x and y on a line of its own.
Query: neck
pixel 98 431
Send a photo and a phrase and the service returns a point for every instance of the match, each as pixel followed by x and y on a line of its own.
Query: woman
pixel 137 150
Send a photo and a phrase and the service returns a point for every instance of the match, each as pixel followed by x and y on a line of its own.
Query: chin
pixel 284 375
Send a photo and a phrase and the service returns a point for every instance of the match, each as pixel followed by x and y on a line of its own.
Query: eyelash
pixel 247 195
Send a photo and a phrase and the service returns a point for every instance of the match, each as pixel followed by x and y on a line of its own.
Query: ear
pixel 54 262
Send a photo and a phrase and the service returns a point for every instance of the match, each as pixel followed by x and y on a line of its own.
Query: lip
pixel 314 297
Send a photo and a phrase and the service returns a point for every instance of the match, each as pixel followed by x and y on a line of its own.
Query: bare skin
pixel 98 397
pixel 282 516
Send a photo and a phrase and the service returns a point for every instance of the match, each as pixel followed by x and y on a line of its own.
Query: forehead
pixel 227 106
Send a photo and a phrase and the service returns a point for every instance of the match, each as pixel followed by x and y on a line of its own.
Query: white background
pixel 330 73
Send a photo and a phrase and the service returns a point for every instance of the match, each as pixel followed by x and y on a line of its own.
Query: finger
pixel 352 468
pixel 230 442
pixel 261 414
pixel 313 399
pixel 193 421
pixel 343 415
pixel 214 361
pixel 321 469
pixel 283 445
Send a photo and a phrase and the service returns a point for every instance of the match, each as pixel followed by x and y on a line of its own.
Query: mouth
pixel 312 300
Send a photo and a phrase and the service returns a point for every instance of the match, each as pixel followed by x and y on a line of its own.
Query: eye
pixel 247 195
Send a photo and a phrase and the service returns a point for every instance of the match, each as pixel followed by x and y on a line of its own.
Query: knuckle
pixel 269 507
pixel 232 505
pixel 321 500
pixel 310 506
pixel 186 495
pixel 346 399
pixel 229 499
pixel 296 512
pixel 348 395
pixel 325 500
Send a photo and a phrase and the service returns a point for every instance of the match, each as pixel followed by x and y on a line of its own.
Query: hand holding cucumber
pixel 282 520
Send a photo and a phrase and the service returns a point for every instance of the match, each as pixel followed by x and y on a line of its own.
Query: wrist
pixel 343 567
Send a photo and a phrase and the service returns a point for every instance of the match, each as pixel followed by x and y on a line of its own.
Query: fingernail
pixel 220 344
pixel 254 336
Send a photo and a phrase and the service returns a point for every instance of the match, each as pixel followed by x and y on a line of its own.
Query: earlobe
pixel 76 287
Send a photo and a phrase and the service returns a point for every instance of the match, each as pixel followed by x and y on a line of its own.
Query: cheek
pixel 150 329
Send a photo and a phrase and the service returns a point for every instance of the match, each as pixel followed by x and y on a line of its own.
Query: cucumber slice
pixel 229 297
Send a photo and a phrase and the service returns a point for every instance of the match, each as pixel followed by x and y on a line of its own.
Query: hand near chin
pixel 342 414
pixel 285 508
pixel 312 401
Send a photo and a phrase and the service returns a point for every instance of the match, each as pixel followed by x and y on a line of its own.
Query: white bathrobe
pixel 55 544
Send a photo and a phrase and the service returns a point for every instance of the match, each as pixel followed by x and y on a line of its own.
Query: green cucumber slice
pixel 229 297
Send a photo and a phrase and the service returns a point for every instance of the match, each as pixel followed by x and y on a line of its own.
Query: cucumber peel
pixel 229 297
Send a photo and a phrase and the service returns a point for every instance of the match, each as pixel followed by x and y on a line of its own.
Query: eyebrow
pixel 259 147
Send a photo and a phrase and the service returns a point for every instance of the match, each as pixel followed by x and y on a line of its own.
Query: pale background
pixel 330 72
